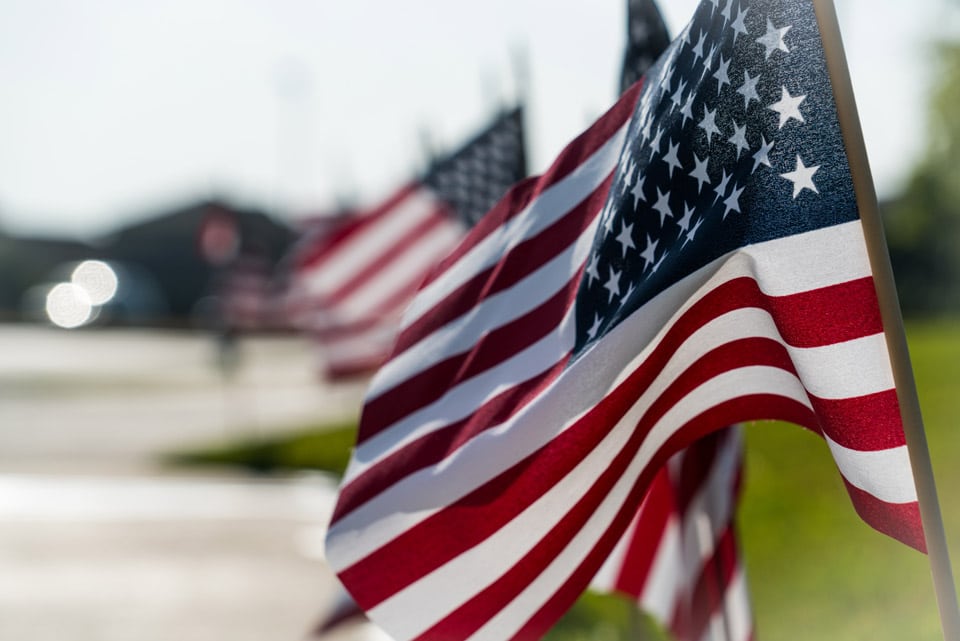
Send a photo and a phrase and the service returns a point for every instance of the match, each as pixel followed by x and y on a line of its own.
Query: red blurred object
pixel 218 236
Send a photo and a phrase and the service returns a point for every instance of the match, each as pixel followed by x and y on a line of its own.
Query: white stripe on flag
pixel 845 370
pixel 886 474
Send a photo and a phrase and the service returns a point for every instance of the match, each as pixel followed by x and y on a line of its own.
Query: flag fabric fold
pixel 679 558
pixel 348 285
pixel 693 260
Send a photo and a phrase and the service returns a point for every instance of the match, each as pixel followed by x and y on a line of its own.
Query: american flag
pixel 679 559
pixel 647 37
pixel 693 260
pixel 349 284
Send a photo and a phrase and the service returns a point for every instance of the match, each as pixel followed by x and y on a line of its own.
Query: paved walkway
pixel 92 400
pixel 99 543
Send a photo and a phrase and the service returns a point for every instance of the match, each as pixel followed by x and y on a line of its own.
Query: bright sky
pixel 111 110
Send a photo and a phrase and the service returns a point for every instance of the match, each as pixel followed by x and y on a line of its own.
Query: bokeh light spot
pixel 68 305
pixel 97 279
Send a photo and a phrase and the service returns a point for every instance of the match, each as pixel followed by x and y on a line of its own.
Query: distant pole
pixel 492 91
pixel 292 89
pixel 520 64
pixel 427 147
pixel 933 529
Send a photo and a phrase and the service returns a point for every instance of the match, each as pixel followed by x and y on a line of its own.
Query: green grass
pixel 605 617
pixel 815 570
pixel 322 447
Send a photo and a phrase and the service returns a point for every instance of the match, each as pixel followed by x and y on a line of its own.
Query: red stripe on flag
pixel 654 515
pixel 890 517
pixel 695 466
pixel 352 368
pixel 510 206
pixel 692 618
pixel 848 310
pixel 865 423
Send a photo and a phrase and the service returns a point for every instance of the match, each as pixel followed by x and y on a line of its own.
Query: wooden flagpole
pixel 866 196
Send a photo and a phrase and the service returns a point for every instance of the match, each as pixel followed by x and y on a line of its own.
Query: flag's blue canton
pixel 734 141
pixel 475 177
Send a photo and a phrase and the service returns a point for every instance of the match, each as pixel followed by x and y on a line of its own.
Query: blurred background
pixel 168 441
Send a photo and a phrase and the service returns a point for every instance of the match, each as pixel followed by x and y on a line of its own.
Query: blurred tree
pixel 923 225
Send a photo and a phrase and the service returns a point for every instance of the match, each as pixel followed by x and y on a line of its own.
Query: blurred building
pixel 169 267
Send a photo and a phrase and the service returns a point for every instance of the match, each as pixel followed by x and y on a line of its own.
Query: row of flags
pixel 349 285
pixel 688 512
pixel 559 358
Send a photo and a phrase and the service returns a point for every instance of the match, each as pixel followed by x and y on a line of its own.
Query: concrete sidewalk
pixel 144 559
pixel 100 543
pixel 98 399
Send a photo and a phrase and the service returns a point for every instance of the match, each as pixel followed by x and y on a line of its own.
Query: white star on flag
pixel 721 189
pixel 663 206
pixel 802 178
pixel 788 107
pixel 637 192
pixel 721 74
pixel 732 202
pixel 762 157
pixel 709 123
pixel 671 157
pixel 684 222
pixel 749 89
pixel 649 253
pixel 592 272
pixel 772 40
pixel 613 283
pixel 739 138
pixel 700 171
pixel 738 26
pixel 625 238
